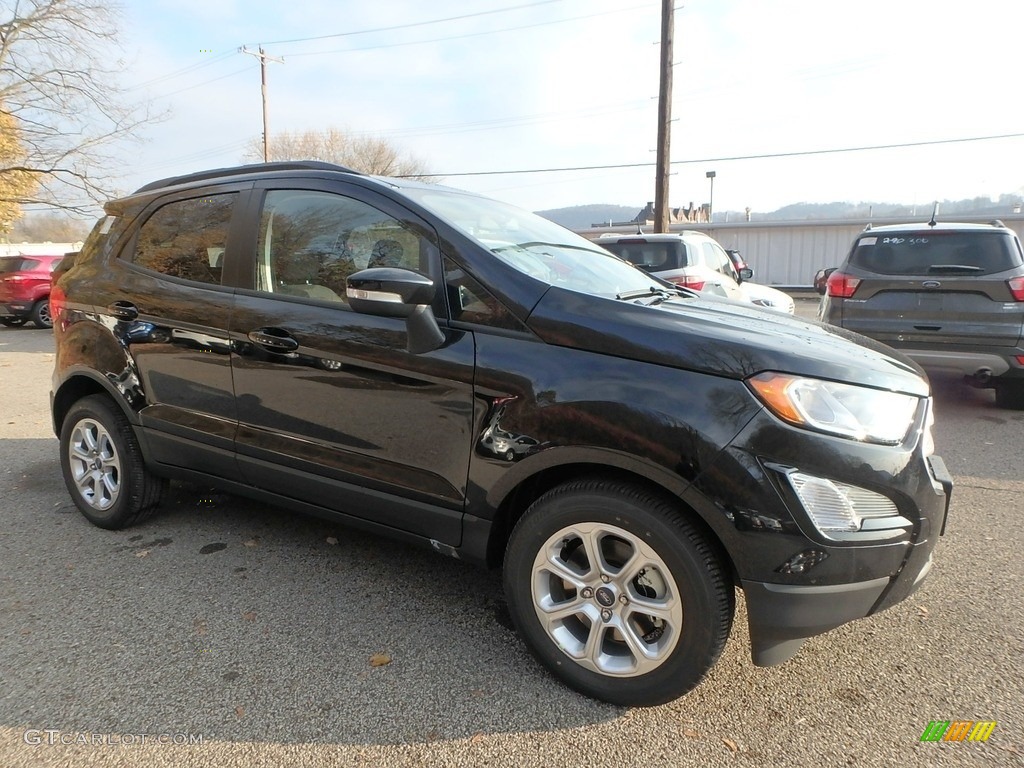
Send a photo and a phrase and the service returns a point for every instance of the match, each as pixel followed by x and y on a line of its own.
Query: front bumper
pixel 782 616
pixel 797 581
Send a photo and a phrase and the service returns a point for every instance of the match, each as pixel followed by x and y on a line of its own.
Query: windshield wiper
pixel 953 268
pixel 653 290
pixel 567 246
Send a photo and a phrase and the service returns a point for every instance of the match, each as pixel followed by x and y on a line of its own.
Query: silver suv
pixel 690 259
pixel 950 296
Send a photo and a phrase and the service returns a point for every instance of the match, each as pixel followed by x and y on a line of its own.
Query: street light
pixel 711 202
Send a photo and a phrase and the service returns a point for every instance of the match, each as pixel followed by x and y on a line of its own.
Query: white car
pixel 694 260
pixel 768 297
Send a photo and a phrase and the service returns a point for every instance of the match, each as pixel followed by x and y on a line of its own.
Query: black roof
pixel 245 170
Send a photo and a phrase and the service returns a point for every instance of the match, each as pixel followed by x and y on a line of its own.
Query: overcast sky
pixel 515 85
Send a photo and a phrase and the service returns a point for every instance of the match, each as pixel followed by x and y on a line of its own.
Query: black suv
pixel 949 296
pixel 456 372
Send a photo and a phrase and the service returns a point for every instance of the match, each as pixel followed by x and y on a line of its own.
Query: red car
pixel 821 279
pixel 25 289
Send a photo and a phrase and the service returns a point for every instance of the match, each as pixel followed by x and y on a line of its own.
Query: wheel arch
pixel 82 384
pixel 519 498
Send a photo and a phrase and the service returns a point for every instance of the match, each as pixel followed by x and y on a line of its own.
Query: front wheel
pixel 103 466
pixel 617 593
pixel 41 314
pixel 12 322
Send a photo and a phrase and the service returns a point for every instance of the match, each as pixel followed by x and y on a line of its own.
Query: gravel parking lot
pixel 277 640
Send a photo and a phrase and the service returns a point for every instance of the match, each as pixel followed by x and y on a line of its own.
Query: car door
pixel 722 273
pixel 333 410
pixel 163 298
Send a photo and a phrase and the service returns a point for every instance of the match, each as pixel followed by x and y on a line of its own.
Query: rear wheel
pixel 616 593
pixel 41 314
pixel 1010 394
pixel 12 322
pixel 103 466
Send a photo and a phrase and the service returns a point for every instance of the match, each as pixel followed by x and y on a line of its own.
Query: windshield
pixel 536 246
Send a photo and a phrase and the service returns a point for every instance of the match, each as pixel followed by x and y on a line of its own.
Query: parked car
pixel 949 296
pixel 25 289
pixel 821 279
pixel 662 448
pixel 688 259
pixel 694 260
pixel 756 293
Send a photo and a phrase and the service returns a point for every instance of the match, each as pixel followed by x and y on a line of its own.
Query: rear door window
pixel 716 258
pixel 937 253
pixel 186 238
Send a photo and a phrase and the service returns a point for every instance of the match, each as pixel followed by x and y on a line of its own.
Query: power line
pixel 223 56
pixel 200 85
pixel 804 153
pixel 183 71
pixel 470 34
pixel 413 24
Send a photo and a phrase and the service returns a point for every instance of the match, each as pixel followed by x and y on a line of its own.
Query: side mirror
pixel 393 292
pixel 746 273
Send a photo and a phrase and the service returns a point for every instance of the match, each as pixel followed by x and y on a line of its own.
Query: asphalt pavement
pixel 228 633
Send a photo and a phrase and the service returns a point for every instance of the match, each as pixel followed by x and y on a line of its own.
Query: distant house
pixel 690 214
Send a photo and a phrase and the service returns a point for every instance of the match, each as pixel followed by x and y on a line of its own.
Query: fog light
pixel 837 507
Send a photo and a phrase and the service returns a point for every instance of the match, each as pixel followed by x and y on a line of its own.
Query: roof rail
pixel 997 223
pixel 243 170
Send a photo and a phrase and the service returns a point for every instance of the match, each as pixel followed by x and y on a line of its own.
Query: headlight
pixel 847 410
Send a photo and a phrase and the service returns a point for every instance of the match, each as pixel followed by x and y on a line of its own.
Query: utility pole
pixel 661 204
pixel 263 57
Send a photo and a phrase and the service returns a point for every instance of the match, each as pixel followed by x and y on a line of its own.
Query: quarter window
pixel 470 302
pixel 187 238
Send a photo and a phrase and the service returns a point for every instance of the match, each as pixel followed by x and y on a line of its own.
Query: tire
pixel 556 597
pixel 41 314
pixel 1010 394
pixel 103 467
pixel 12 322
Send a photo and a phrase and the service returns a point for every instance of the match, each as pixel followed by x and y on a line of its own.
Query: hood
pixel 721 338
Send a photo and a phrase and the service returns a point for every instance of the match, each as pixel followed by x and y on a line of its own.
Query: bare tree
pixel 59 100
pixel 367 154
pixel 50 227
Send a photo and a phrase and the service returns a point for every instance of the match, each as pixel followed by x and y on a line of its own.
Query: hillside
pixel 585 216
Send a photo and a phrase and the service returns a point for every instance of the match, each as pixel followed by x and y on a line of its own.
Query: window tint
pixel 931 253
pixel 187 238
pixel 310 242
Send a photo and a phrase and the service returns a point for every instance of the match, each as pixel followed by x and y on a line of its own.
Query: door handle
pixel 274 339
pixel 123 310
